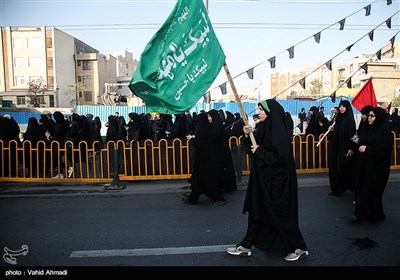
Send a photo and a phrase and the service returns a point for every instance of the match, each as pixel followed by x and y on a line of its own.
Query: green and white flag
pixel 180 62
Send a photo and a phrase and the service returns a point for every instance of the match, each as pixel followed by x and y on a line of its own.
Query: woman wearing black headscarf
pixel 361 131
pixel 207 168
pixel 341 160
pixel 271 197
pixel 33 153
pixel 223 152
pixel 375 147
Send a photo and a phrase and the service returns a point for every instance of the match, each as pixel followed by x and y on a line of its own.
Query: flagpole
pixel 242 112
pixel 208 104
pixel 323 136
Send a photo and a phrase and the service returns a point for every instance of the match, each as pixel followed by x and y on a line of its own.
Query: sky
pixel 249 31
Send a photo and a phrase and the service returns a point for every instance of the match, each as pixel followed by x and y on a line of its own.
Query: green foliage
pixel 316 87
pixel 396 102
pixel 36 91
pixel 75 90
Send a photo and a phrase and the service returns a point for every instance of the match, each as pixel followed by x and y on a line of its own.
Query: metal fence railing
pixel 139 160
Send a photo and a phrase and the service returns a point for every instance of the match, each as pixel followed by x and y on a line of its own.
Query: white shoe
pixel 59 176
pixel 238 250
pixel 70 171
pixel 294 256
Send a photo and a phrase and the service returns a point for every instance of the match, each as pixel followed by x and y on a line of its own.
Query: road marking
pixel 149 252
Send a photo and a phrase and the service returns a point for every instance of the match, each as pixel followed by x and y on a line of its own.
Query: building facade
pixel 70 71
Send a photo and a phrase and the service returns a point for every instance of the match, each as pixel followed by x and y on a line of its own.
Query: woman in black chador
pixel 271 197
pixel 207 168
pixel 341 160
pixel 373 168
pixel 221 145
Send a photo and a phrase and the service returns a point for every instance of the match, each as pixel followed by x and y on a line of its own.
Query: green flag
pixel 180 62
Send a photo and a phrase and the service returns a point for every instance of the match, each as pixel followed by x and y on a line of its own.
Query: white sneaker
pixel 294 256
pixel 58 176
pixel 70 171
pixel 238 250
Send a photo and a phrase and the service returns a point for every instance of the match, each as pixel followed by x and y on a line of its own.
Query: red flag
pixel 366 96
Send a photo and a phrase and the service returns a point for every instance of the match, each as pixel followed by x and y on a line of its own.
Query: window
pixel 20 100
pixel 50 81
pixel 49 62
pixel 18 62
pixel 51 100
pixel 49 42
pixel 88 96
pixel 19 81
pixel 34 43
pixel 86 65
pixel 34 61
pixel 87 81
pixel 17 43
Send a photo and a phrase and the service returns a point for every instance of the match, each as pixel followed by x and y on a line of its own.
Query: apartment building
pixel 385 73
pixel 72 72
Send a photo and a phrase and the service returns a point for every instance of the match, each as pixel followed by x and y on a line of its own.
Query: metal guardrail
pixel 139 160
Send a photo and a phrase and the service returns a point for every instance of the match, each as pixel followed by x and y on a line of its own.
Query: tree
pixel 396 102
pixel 293 93
pixel 75 90
pixel 36 91
pixel 316 87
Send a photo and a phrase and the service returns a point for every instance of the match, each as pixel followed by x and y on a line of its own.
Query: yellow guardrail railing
pixel 138 160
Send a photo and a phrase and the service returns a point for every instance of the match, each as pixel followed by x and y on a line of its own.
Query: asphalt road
pixel 145 227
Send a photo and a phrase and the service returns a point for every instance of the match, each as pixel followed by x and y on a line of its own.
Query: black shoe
pixel 219 203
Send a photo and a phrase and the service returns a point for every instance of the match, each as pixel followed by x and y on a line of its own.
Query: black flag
pixel 392 41
pixel 342 24
pixel 250 73
pixel 291 52
pixel 328 65
pixel 371 35
pixel 365 67
pixel 348 82
pixel 367 10
pixel 302 82
pixel 317 37
pixel 223 88
pixel 379 54
pixel 333 97
pixel 349 47
pixel 272 62
pixel 389 23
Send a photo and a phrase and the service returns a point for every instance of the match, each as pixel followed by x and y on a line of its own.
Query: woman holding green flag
pixel 271 197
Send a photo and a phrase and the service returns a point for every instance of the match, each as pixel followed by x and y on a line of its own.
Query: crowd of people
pixel 359 159
pixel 59 128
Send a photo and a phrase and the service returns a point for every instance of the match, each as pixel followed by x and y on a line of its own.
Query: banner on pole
pixel 180 62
